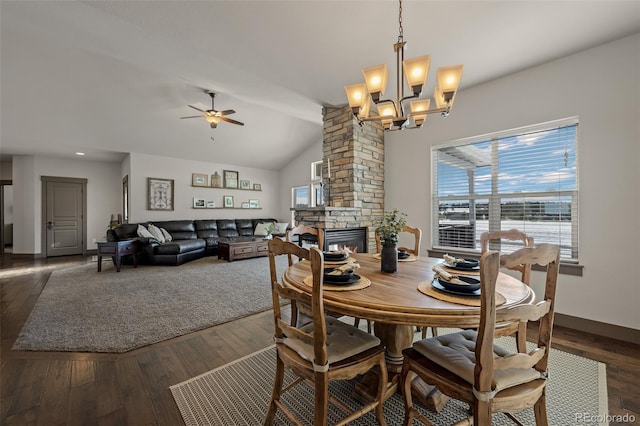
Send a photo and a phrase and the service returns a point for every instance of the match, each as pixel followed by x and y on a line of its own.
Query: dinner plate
pixel 354 279
pixel 438 285
pixel 473 284
pixel 468 265
pixel 334 257
pixel 403 255
pixel 338 278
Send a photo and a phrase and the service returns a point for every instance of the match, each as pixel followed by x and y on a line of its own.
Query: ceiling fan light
pixel 416 71
pixel 212 119
pixel 376 78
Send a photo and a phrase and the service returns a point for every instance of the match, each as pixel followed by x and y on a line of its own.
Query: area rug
pixel 83 310
pixel 238 393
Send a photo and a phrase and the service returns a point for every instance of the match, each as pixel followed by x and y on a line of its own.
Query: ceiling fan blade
pixel 226 112
pixel 232 121
pixel 197 109
pixel 193 116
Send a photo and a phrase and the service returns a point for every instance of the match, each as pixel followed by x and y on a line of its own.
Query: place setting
pixel 403 256
pixel 456 287
pixel 339 273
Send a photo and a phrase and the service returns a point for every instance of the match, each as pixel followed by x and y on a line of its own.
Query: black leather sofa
pixel 191 239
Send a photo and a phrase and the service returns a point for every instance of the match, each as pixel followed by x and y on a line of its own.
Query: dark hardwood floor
pixel 66 388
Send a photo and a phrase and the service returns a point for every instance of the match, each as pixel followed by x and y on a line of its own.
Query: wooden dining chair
pixel 468 366
pixel 417 233
pixel 299 231
pixel 324 350
pixel 492 240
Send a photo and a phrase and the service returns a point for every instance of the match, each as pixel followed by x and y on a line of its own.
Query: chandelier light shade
pixel 412 74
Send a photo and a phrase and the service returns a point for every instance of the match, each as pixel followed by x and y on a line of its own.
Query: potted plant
pixel 392 223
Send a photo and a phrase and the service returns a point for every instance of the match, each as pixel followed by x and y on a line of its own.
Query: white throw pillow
pixel 261 229
pixel 167 236
pixel 144 233
pixel 157 233
pixel 281 228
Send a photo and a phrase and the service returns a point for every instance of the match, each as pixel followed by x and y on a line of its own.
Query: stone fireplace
pixel 356 186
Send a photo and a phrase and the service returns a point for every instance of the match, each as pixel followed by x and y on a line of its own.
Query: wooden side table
pixel 117 249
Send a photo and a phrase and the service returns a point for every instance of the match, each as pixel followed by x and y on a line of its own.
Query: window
pixel 524 178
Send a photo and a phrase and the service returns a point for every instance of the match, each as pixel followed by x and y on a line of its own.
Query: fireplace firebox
pixel 353 238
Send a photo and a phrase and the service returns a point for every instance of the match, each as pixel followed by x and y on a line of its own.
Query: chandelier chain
pixel 400 29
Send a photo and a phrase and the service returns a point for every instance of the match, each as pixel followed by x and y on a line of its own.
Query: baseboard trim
pixel 618 332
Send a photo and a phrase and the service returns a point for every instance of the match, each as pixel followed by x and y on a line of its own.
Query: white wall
pixel 103 196
pixel 297 173
pixel 600 86
pixel 144 166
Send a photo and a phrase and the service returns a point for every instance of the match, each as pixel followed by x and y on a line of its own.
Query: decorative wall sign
pixel 160 192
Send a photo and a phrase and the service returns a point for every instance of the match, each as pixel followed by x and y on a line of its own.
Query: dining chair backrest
pixel 492 241
pixel 487 363
pixel 548 256
pixel 302 230
pixel 417 234
pixel 280 293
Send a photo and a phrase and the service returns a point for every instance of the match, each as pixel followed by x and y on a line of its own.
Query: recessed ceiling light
pixel 80 153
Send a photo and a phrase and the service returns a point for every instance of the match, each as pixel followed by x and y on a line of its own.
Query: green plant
pixel 391 224
pixel 271 228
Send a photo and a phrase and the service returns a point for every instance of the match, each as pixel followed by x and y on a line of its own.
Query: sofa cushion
pixel 144 232
pixel 157 233
pixel 179 246
pixel 227 228
pixel 206 229
pixel 244 227
pixel 167 235
pixel 261 229
pixel 179 229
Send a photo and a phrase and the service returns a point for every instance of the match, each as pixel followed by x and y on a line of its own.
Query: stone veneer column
pixel 357 171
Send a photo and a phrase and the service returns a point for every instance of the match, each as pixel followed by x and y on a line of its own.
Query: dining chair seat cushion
pixel 455 352
pixel 343 341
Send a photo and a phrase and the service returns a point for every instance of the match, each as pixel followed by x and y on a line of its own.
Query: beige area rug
pixel 238 393
pixel 83 310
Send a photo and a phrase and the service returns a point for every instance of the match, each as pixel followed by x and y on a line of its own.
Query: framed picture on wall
pixel 227 201
pixel 160 194
pixel 199 179
pixel 230 178
pixel 245 184
pixel 257 187
pixel 198 203
pixel 254 204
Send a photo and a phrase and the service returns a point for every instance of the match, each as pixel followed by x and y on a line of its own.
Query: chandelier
pixel 391 112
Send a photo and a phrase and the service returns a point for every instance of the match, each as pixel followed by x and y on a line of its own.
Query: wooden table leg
pixel 396 338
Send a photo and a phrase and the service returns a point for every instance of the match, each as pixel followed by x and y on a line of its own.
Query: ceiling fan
pixel 214 116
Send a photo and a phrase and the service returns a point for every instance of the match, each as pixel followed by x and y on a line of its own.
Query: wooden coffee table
pixel 233 250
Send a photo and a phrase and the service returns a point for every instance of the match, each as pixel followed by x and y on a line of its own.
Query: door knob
pixel 50 225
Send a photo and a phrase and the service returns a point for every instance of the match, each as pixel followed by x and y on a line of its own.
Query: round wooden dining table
pixel 395 304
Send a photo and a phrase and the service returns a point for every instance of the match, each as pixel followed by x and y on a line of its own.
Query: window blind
pixel 525 179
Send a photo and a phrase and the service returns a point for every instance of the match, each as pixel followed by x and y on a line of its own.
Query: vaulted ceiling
pixel 111 77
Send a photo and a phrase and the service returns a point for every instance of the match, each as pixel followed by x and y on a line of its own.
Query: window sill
pixel 565 268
